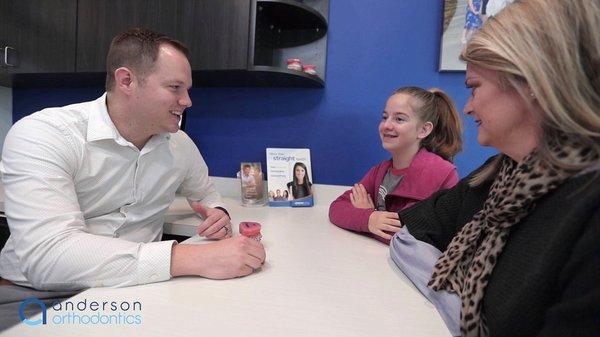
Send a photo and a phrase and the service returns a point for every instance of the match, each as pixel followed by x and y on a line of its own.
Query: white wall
pixel 5 113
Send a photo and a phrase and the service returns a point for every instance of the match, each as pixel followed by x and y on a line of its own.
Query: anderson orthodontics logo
pixel 83 312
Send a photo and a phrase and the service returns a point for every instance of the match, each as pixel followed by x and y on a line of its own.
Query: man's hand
pixel 381 222
pixel 229 258
pixel 216 224
pixel 360 198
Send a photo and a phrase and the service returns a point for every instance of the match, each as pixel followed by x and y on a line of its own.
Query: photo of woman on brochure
pixel 300 186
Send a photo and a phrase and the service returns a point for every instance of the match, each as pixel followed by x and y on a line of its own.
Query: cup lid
pixel 249 228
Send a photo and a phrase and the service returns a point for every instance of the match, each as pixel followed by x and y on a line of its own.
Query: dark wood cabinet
pixel 232 42
pixel 100 21
pixel 216 31
pixel 39 37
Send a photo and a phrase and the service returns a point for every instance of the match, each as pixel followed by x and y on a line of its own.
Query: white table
pixel 318 280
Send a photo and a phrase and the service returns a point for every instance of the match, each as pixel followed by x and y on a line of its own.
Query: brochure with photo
pixel 289 177
pixel 251 178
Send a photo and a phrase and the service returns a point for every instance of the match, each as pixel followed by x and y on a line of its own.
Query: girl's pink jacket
pixel 426 174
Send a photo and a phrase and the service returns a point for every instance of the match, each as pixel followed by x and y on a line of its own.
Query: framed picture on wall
pixel 462 18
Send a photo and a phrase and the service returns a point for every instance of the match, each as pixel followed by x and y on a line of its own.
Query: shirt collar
pixel 100 127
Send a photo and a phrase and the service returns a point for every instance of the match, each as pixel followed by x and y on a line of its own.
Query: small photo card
pixel 251 178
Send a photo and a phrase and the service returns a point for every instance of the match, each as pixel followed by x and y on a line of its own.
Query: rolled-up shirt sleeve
pixel 54 250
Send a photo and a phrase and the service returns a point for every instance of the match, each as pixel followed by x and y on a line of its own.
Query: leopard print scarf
pixel 466 265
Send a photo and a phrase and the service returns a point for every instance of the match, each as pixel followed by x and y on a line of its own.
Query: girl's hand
pixel 381 222
pixel 360 198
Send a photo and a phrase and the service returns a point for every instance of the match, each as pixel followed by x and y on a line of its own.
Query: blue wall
pixel 373 48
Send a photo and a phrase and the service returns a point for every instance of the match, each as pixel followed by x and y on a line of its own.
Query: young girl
pixel 422 131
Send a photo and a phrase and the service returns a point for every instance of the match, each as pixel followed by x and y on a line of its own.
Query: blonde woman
pixel 521 235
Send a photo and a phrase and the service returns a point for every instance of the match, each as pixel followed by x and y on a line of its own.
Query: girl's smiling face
pixel 400 128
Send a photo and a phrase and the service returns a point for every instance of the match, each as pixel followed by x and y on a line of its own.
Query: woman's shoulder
pixel 585 186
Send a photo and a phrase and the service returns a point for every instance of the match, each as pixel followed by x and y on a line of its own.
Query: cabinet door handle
pixel 8 50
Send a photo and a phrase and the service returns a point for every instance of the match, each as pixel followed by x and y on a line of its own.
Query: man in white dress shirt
pixel 87 185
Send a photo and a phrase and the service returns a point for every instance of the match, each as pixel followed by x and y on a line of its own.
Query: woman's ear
pixel 424 130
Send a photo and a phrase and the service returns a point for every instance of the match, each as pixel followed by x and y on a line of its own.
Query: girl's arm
pixel 343 214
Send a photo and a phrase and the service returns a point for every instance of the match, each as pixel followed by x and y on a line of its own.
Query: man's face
pixel 162 96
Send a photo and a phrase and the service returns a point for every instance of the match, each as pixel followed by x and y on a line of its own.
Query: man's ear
pixel 124 79
pixel 425 130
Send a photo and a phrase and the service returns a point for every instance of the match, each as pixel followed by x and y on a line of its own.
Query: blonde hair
pixel 436 107
pixel 553 47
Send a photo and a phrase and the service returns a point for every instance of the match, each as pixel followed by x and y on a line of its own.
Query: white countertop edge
pixel 180 219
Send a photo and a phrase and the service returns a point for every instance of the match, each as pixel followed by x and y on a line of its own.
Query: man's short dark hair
pixel 136 49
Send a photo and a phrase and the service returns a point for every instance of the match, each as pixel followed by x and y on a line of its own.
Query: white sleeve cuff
pixel 154 264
